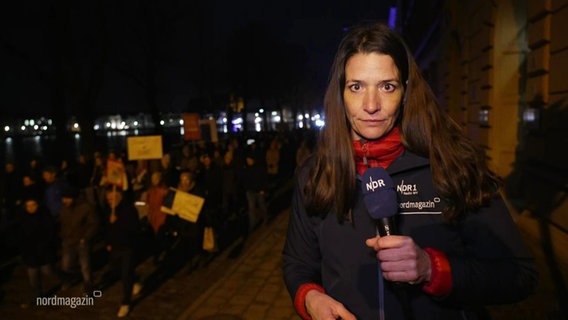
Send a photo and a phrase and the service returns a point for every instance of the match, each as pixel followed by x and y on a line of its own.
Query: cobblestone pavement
pixel 250 286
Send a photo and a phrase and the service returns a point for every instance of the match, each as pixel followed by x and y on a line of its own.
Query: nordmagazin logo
pixel 72 302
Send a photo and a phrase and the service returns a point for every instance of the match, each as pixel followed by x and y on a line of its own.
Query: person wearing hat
pixel 79 224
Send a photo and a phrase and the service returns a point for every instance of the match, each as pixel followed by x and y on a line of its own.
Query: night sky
pixel 105 54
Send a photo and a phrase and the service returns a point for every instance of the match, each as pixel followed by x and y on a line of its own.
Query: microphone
pixel 380 199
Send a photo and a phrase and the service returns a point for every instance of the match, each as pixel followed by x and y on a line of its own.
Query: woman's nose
pixel 371 102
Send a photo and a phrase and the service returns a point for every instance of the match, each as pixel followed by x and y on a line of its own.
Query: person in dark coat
pixel 211 178
pixel 31 189
pixel 121 235
pixel 78 223
pixel 10 187
pixel 53 188
pixel 254 178
pixel 38 244
pixel 397 214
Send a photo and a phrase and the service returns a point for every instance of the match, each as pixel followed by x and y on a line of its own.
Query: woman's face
pixel 184 182
pixel 31 206
pixel 156 178
pixel 372 95
pixel 113 198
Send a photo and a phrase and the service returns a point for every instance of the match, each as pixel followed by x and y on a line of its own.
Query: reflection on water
pixel 20 149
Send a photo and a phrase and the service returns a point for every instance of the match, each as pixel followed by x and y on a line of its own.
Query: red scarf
pixel 377 153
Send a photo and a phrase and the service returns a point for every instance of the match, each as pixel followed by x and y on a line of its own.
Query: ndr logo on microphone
pixel 375 184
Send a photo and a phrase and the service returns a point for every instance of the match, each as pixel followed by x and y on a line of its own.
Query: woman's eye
pixel 355 87
pixel 388 87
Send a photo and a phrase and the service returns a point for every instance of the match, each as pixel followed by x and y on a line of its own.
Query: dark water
pixel 20 149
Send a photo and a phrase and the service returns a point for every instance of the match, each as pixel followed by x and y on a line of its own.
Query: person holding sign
pixel 190 231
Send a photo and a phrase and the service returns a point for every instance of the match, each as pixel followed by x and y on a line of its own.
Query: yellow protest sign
pixel 144 147
pixel 186 205
pixel 115 173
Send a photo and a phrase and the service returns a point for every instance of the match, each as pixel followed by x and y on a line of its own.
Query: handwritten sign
pixel 144 147
pixel 186 205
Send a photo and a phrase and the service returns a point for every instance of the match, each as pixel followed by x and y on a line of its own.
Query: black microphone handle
pixel 386 226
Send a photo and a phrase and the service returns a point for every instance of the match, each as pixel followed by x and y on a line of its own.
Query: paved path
pixel 253 287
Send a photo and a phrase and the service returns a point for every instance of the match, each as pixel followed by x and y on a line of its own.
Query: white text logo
pixel 374 184
pixel 406 189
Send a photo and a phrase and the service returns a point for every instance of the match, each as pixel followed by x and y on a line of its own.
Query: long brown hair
pixel 459 170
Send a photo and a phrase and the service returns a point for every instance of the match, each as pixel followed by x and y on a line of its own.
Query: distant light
pixel 484 117
pixel 225 120
pixel 31 122
pixel 300 117
pixel 76 125
pixel 256 114
pixel 307 115
pixel 181 122
pixel 530 115
pixel 135 123
pixel 238 121
pixel 320 123
pixel 7 128
pixel 96 127
pixel 257 120
pixel 274 113
pixel 162 122
pixel 277 119
pixel 44 128
pixel 23 128
pixel 36 127
pixel 392 18
pixel 261 110
pixel 108 124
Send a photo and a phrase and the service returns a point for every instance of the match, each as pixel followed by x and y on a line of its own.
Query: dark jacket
pixel 37 238
pixel 254 178
pixel 489 263
pixel 123 233
pixel 79 221
pixel 52 197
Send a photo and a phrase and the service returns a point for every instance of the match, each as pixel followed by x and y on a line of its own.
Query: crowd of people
pixel 54 215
